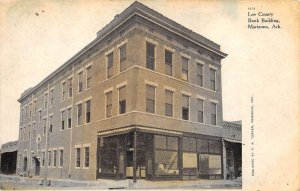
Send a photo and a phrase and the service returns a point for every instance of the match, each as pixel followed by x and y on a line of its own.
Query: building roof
pixel 136 8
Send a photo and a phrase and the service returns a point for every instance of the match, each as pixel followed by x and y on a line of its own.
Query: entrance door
pixel 37 167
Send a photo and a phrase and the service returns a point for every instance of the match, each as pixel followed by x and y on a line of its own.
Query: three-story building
pixel 142 100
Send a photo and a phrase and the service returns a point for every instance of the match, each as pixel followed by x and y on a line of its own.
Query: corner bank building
pixel 143 100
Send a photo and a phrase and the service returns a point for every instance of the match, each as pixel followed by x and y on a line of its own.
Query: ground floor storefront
pixel 233 159
pixel 142 153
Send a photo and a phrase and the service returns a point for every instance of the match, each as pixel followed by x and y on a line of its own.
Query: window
pixel 77 157
pixel 24 133
pixel 22 116
pixel 45 126
pixel 150 56
pixel 166 155
pixel 212 79
pixel 62 120
pixel 50 124
pixel 61 158
pixel 110 61
pixel 38 147
pixel 122 58
pixel 88 77
pixel 168 62
pixel 49 158
pixel 88 111
pixel 29 127
pixel 185 69
pixel 189 144
pixel 54 157
pixel 51 98
pixel 79 114
pixel 210 164
pixel 80 82
pixel 169 103
pixel 86 157
pixel 45 101
pixel 70 87
pixel 34 107
pixel 40 115
pixel 122 100
pixel 30 107
pixel 185 107
pixel 200 75
pixel 69 117
pixel 25 112
pixel 43 158
pixel 150 99
pixel 108 104
pixel 21 132
pixel 213 113
pixel 200 110
pixel 33 130
pixel 63 90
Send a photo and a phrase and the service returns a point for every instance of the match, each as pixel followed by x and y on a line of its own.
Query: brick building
pixel 142 100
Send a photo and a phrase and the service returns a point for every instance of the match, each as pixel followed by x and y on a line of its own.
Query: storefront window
pixel 166 155
pixel 160 142
pixel 109 162
pixel 166 163
pixel 209 164
pixel 189 160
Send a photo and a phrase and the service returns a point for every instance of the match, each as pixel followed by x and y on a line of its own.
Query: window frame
pixel 110 105
pixel 183 70
pixel 123 60
pixel 189 107
pixel 150 57
pixel 154 101
pixel 169 64
pixel 108 67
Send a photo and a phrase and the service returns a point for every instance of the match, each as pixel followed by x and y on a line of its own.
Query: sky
pixel 36 37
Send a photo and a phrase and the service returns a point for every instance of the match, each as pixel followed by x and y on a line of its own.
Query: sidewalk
pixel 22 183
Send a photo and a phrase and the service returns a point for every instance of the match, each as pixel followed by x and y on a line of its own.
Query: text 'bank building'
pixel 142 100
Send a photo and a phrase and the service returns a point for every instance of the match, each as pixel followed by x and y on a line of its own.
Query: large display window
pixel 166 155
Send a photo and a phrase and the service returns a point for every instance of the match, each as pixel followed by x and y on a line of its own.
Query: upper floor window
pixel 110 61
pixel 88 77
pixel 22 115
pixel 200 75
pixel 45 126
pixel 169 103
pixel 150 56
pixel 213 113
pixel 122 100
pixel 25 111
pixel 54 157
pixel 63 89
pixel 80 82
pixel 33 131
pixel 185 107
pixel 45 101
pixel 70 87
pixel 200 110
pixel 79 114
pixel 40 115
pixel 88 111
pixel 150 99
pixel 49 158
pixel 108 104
pixel 122 58
pixel 50 124
pixel 185 68
pixel 62 120
pixel 69 117
pixel 30 108
pixel 212 79
pixel 168 62
pixel 34 107
pixel 51 97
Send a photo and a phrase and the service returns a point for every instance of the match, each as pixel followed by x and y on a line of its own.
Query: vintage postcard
pixel 149 94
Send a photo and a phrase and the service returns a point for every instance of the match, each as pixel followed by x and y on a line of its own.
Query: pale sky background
pixel 262 63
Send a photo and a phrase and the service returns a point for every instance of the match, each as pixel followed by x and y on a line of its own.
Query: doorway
pixel 37 166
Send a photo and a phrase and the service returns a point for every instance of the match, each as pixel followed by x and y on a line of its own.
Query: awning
pixel 233 141
pixel 127 129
